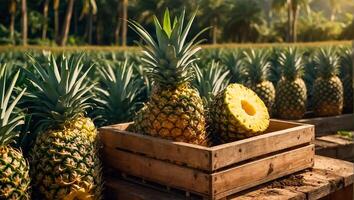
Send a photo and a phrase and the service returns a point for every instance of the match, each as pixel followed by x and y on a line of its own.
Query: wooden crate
pixel 212 172
pixel 330 125
pixel 335 146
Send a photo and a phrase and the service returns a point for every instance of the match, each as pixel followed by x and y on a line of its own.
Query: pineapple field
pixel 172 88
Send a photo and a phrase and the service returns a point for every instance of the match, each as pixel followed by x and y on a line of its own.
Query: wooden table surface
pixel 329 179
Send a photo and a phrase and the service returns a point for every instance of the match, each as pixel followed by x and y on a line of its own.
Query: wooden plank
pixel 194 156
pixel 255 173
pixel 335 139
pixel 332 124
pixel 343 194
pixel 158 171
pixel 335 146
pixel 235 152
pixel 116 189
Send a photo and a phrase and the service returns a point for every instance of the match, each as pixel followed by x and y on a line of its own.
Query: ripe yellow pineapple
pixel 237 113
pixel 64 160
pixel 175 109
pixel 291 90
pixel 14 169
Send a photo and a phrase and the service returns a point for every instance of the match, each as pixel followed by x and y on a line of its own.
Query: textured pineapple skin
pixel 266 91
pixel 229 123
pixel 174 114
pixel 328 96
pixel 348 94
pixel 14 175
pixel 65 163
pixel 291 98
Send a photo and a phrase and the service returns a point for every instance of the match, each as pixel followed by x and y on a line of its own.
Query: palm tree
pixel 66 24
pixel 125 24
pixel 89 9
pixel 293 7
pixel 12 10
pixel 24 24
pixel 45 15
pixel 56 4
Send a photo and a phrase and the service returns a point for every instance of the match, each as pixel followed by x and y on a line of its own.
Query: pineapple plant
pixel 237 113
pixel 257 71
pixel 64 159
pixel 210 81
pixel 233 61
pixel 14 169
pixel 175 109
pixel 119 94
pixel 347 79
pixel 291 90
pixel 327 88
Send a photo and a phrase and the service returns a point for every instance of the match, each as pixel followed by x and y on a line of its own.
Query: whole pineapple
pixel 175 109
pixel 237 113
pixel 291 90
pixel 257 73
pixel 233 61
pixel 327 88
pixel 347 79
pixel 14 169
pixel 64 159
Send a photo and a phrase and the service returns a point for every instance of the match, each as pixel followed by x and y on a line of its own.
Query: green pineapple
pixel 175 110
pixel 119 93
pixel 64 159
pixel 347 79
pixel 257 70
pixel 14 169
pixel 327 88
pixel 291 89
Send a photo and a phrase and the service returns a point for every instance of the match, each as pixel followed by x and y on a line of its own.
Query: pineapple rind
pixel 14 174
pixel 266 91
pixel 230 122
pixel 291 99
pixel 65 162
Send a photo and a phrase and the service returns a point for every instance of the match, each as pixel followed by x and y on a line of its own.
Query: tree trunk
pixel 118 23
pixel 66 24
pixel 45 24
pixel 289 36
pixel 125 24
pixel 90 22
pixel 24 22
pixel 56 19
pixel 99 30
pixel 12 10
pixel 214 30
pixel 295 12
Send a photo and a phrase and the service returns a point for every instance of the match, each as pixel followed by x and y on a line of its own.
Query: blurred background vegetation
pixel 102 22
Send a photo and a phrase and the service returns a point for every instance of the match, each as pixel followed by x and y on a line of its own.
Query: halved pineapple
pixel 237 113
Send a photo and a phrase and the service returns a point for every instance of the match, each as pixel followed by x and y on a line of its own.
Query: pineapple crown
pixel 60 90
pixel 346 62
pixel 292 64
pixel 256 66
pixel 210 80
pixel 170 57
pixel 327 63
pixel 119 93
pixel 233 61
pixel 9 120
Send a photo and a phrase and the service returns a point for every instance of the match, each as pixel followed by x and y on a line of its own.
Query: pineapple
pixel 119 94
pixel 175 109
pixel 327 88
pixel 238 113
pixel 257 70
pixel 64 159
pixel 14 169
pixel 291 90
pixel 210 81
pixel 347 79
